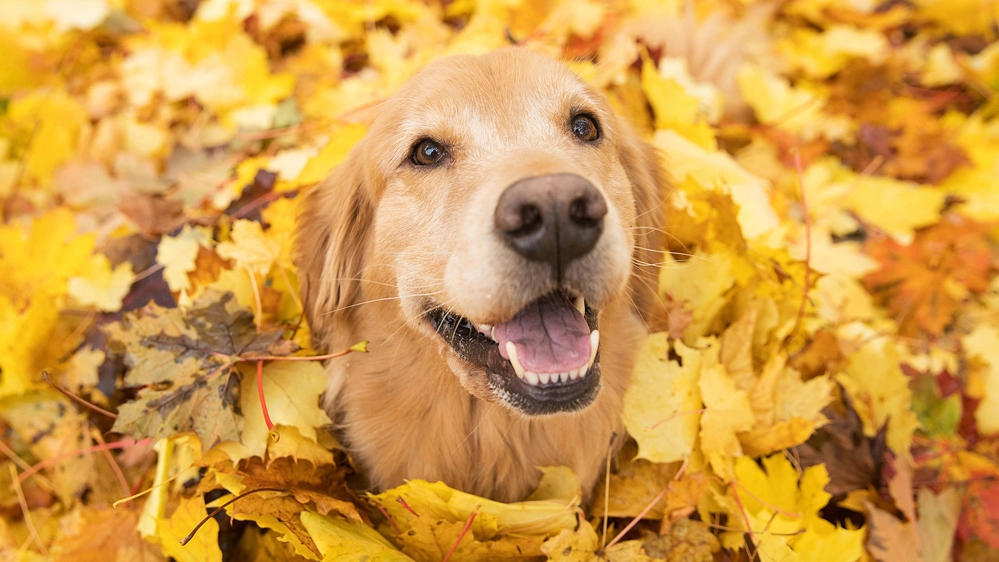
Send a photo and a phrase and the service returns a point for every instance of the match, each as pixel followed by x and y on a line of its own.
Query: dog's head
pixel 504 206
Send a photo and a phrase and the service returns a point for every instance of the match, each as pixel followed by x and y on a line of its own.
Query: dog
pixel 494 237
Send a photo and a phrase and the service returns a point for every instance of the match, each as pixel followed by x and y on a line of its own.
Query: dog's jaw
pixel 405 414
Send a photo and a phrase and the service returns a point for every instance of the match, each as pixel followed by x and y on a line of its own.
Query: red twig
pixel 80 452
pixel 260 393
pixel 674 416
pixel 114 464
pixel 648 508
pixel 464 531
pixel 406 505
pixel 388 517
pixel 638 517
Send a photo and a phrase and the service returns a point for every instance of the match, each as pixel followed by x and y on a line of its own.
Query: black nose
pixel 553 219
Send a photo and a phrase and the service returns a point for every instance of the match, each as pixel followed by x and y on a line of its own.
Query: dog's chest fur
pixel 404 414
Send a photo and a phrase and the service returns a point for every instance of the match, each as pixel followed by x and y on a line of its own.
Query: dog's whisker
pixel 394 298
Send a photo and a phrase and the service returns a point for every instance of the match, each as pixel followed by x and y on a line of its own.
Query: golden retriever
pixel 494 237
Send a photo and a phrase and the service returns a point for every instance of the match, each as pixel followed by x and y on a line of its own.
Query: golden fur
pixel 379 238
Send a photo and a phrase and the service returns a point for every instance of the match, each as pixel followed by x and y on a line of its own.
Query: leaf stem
pixel 187 539
pixel 80 452
pixel 260 393
pixel 649 507
pixel 464 531
pixel 75 398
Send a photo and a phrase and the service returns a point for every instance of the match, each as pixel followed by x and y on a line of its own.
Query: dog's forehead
pixel 509 91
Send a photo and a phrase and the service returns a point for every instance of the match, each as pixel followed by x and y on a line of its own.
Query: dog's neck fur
pixel 401 404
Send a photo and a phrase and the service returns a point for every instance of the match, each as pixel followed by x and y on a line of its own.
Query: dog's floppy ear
pixel 649 185
pixel 330 243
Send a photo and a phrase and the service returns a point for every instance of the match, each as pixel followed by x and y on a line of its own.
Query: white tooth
pixel 543 377
pixel 580 305
pixel 562 377
pixel 492 333
pixel 573 374
pixel 531 376
pixel 594 343
pixel 511 351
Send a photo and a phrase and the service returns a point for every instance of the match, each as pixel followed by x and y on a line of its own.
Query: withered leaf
pixel 852 459
pixel 181 362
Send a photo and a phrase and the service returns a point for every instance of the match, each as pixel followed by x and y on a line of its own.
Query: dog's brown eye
pixel 427 153
pixel 585 128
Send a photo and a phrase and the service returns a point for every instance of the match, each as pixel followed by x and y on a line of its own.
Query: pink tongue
pixel 550 335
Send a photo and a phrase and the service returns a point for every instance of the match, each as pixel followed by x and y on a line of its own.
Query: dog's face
pixel 505 206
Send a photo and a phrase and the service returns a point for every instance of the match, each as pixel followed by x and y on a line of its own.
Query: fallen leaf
pixel 891 540
pixel 184 364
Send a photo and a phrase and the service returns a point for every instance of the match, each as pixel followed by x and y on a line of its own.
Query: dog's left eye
pixel 585 128
pixel 427 152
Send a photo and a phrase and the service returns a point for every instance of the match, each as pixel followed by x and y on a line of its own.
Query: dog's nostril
pixel 530 219
pixel 587 211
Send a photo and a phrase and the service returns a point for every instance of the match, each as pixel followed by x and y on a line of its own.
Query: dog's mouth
pixel 544 360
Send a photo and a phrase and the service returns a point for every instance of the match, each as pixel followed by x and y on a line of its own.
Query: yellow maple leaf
pixel 177 255
pixel 797 110
pixel 662 402
pixel 880 392
pixel 203 547
pixel 251 247
pixel 675 108
pixel 40 261
pixel 101 286
pixel 291 392
pixel 37 264
pixel 780 509
pixel 331 155
pixel 54 121
pixel 824 53
pixel 719 171
pixel 894 206
pixel 703 281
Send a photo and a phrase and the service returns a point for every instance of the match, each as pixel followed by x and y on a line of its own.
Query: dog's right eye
pixel 427 152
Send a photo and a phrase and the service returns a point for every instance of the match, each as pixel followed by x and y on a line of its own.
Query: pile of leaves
pixel 823 383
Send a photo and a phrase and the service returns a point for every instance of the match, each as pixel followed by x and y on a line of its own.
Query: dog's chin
pixel 494 376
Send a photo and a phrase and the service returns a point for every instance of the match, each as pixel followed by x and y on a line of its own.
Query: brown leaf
pixel 852 459
pixel 152 214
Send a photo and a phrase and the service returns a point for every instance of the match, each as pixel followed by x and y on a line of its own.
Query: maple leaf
pixel 661 406
pixel 182 363
pixel 51 427
pixel 292 392
pixel 922 284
